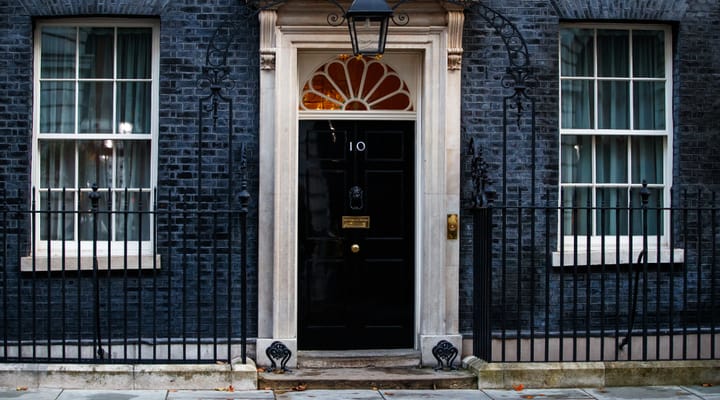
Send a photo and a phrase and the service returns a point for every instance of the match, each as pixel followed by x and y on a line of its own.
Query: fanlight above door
pixel 355 84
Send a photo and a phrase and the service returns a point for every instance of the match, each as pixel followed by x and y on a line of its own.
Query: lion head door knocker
pixel 356 198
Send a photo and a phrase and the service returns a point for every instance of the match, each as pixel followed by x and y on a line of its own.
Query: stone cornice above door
pixel 317 13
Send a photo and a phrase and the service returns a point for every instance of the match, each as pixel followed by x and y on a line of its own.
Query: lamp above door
pixel 368 25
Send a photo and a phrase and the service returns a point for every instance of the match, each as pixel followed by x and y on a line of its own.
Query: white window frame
pixel 115 254
pixel 624 248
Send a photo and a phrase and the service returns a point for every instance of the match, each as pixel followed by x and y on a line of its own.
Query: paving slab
pixel 330 395
pixel 706 392
pixel 537 394
pixel 113 395
pixel 220 395
pixel 32 394
pixel 644 393
pixel 434 395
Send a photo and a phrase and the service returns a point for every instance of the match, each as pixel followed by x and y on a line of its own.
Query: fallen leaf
pixel 518 387
pixel 21 388
pixel 707 385
pixel 300 388
pixel 231 388
pixel 529 396
pixel 261 369
pixel 225 389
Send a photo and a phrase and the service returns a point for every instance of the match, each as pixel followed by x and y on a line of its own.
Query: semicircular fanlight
pixel 355 84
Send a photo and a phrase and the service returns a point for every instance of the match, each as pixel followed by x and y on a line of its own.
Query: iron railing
pixel 594 296
pixel 177 295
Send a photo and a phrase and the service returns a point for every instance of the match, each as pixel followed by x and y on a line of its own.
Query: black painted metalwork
pixel 398 18
pixel 445 354
pixel 579 305
pixel 243 201
pixel 94 202
pixel 217 103
pixel 520 79
pixel 483 197
pixel 278 352
pixel 63 306
pixel 639 266
pixel 356 198
pixel 483 193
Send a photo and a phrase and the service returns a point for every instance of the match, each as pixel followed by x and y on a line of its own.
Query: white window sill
pixel 613 256
pixel 85 263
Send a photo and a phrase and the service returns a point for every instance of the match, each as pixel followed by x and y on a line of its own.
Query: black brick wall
pixel 695 139
pixel 187 28
pixel 187 178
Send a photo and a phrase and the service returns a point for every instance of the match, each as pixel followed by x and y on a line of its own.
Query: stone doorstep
pixel 367 378
pixel 359 359
pixel 593 374
pixel 127 376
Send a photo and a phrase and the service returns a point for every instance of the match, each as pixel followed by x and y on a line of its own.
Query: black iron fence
pixel 144 283
pixel 597 283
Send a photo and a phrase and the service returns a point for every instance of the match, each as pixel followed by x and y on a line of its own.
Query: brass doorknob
pixel 355 248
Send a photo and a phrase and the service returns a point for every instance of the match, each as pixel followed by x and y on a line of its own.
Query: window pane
pixel 611 159
pixel 95 110
pixel 577 104
pixel 577 52
pixel 576 159
pixel 133 164
pixel 612 211
pixel 58 52
pixel 647 159
pixel 87 219
pixel 57 225
pixel 649 54
pixel 613 53
pixel 134 53
pixel 96 163
pixel 57 164
pixel 576 203
pixel 131 217
pixel 133 107
pixel 57 107
pixel 655 221
pixel 613 105
pixel 649 105
pixel 96 52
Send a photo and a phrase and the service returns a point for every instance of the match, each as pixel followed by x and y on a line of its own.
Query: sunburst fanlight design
pixel 355 84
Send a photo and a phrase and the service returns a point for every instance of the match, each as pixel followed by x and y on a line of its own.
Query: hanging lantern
pixel 368 25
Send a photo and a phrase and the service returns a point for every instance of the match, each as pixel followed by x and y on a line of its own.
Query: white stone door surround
pixel 433 38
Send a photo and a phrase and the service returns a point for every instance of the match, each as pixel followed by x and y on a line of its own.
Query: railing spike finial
pixel 644 193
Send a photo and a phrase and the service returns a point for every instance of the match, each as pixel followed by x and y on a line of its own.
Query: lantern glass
pixel 368 35
pixel 368 24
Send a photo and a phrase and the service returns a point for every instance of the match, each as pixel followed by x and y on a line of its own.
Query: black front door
pixel 356 235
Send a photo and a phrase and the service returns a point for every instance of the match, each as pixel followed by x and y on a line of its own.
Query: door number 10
pixel 357 146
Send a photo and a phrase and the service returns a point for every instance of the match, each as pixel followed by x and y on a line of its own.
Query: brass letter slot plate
pixel 356 222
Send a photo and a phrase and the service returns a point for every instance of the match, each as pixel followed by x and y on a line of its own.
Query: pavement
pixel 611 393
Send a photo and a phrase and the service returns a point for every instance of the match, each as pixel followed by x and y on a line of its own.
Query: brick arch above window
pixel 93 7
pixel 355 84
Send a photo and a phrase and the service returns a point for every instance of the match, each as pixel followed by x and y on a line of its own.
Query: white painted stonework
pixel 295 40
